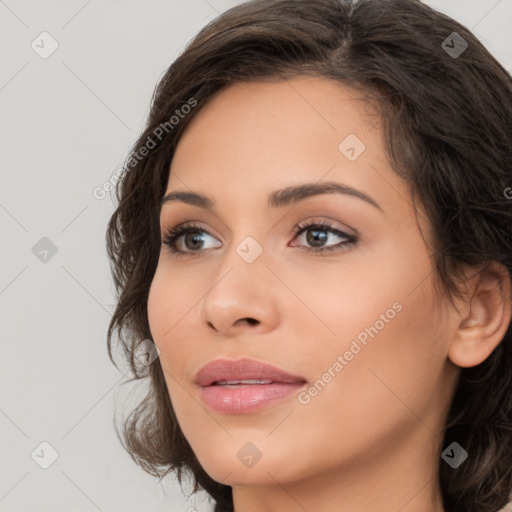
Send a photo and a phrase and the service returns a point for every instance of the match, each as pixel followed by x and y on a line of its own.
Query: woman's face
pixel 359 323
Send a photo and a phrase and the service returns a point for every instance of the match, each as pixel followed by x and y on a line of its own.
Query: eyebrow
pixel 277 198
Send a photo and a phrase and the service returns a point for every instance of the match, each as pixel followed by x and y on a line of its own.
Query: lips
pixel 245 386
pixel 221 370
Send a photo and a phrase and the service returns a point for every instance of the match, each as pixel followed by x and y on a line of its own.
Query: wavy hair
pixel 447 121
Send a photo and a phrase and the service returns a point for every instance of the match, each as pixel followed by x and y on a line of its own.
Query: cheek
pixel 171 307
pixel 169 299
pixel 394 362
pixel 156 307
pixel 163 316
pixel 389 333
pixel 387 387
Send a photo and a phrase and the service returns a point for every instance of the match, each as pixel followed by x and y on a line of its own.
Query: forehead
pixel 298 110
pixel 251 138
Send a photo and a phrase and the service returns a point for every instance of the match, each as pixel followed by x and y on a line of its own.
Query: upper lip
pixel 242 369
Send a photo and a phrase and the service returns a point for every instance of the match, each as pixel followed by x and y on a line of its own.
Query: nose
pixel 240 297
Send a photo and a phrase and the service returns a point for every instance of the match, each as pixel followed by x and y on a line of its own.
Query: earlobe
pixel 486 318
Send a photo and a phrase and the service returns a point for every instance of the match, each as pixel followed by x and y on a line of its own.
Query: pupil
pixel 315 238
pixel 195 237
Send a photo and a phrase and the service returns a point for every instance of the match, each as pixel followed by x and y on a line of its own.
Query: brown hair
pixel 447 120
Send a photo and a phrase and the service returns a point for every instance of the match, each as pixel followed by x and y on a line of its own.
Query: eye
pixel 189 239
pixel 317 233
pixel 188 235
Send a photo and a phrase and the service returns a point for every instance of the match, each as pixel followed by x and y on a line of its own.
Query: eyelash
pixel 172 236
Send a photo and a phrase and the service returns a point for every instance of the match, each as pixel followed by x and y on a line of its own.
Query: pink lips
pixel 239 398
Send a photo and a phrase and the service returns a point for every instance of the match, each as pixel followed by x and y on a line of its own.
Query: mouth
pixel 243 372
pixel 244 385
pixel 241 383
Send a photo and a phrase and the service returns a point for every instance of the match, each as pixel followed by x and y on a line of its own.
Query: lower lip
pixel 247 398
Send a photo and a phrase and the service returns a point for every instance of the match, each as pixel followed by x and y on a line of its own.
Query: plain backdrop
pixel 67 122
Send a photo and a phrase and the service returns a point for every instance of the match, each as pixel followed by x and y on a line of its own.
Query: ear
pixel 486 315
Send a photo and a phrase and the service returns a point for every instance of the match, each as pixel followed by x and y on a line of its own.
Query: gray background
pixel 66 124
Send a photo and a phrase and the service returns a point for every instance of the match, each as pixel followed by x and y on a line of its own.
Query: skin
pixel 370 439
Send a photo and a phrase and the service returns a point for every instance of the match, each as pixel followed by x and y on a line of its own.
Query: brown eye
pixel 186 239
pixel 317 235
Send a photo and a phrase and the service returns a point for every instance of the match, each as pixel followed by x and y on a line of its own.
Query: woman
pixel 314 232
